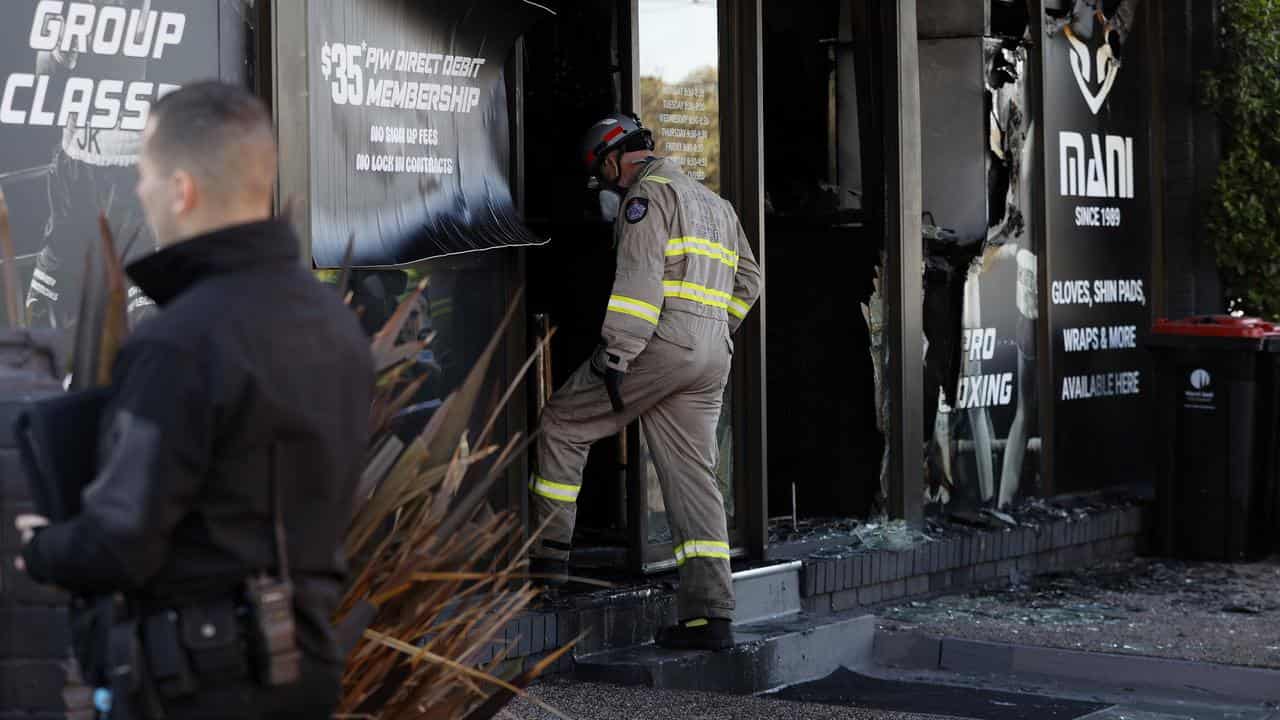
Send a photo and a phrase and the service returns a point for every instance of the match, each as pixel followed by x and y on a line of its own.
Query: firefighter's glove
pixel 612 368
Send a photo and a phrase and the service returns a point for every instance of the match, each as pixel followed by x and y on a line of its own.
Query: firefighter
pixel 686 278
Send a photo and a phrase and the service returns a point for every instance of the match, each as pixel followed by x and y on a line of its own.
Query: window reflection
pixel 679 63
pixel 680 83
pixel 458 312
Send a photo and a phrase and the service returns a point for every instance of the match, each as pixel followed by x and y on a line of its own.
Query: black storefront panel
pixel 1098 249
pixel 410 128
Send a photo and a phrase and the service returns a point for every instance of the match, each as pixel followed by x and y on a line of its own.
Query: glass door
pixel 678 64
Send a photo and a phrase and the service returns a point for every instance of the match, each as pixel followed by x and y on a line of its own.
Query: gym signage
pixel 410 128
pixel 1098 247
pixel 77 82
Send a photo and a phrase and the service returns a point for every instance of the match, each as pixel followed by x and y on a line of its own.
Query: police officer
pixel 231 444
pixel 686 278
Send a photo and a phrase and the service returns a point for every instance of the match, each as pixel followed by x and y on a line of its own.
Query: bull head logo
pixel 1091 67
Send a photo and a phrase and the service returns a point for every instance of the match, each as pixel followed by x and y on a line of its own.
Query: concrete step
pixel 614 621
pixel 769 654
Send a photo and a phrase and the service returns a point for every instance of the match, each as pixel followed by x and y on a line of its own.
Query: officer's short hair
pixel 220 133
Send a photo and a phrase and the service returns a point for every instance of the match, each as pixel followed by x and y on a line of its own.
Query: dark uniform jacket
pixel 250 358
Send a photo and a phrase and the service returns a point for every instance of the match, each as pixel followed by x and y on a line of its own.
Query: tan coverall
pixel 686 278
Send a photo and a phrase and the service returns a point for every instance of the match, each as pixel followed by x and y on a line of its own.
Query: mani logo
pixel 1086 63
pixel 1201 379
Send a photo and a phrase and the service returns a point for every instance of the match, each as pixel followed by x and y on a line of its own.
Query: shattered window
pixel 981 309
pixel 814 162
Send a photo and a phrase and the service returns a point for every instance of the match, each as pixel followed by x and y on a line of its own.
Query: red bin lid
pixel 1224 326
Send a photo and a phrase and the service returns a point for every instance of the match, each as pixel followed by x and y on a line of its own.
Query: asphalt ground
pixel 594 701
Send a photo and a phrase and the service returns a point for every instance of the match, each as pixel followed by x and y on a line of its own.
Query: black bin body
pixel 1216 427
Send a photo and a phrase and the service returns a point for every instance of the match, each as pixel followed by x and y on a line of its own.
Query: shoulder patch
pixel 637 208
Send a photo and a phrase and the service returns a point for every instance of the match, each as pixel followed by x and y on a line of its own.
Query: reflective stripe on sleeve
pixel 634 308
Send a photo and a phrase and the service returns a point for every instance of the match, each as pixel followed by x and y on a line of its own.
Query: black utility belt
pixel 169 653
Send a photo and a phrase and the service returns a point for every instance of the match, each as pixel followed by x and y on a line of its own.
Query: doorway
pixel 825 448
pixel 660 58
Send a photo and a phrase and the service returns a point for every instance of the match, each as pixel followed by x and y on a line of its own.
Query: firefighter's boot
pixel 697 634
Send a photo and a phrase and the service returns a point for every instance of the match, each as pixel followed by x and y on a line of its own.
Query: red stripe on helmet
pixel 613 133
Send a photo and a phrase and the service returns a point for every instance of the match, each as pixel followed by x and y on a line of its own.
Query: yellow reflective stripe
pixel 691 240
pixel 703 247
pixel 555 491
pixel 634 308
pixel 700 622
pixel 680 284
pixel 657 178
pixel 738 308
pixel 696 293
pixel 704 253
pixel 713 549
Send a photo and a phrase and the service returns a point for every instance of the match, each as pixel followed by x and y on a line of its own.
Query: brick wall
pixel 863 579
pixel 989 557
